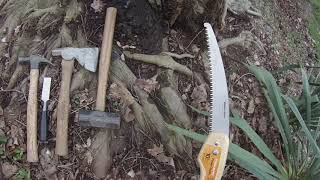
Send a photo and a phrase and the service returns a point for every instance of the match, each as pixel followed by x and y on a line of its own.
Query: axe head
pixel 87 57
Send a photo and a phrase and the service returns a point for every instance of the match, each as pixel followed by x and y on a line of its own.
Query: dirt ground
pixel 282 30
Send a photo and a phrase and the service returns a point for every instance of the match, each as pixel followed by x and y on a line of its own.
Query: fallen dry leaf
pixel 251 107
pixel 148 85
pixel 158 153
pixel 1 111
pixel 122 93
pixel 97 5
pixel 8 170
pixel 128 114
pixel 89 157
pixel 199 97
pixel 16 136
pixel 48 163
pixel 131 173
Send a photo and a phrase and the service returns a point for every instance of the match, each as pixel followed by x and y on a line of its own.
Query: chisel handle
pixel 32 113
pixel 63 108
pixel 44 123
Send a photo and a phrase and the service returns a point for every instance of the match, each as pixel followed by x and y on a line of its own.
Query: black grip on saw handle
pixel 44 123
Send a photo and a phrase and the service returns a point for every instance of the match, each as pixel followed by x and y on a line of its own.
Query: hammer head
pixel 99 119
pixel 34 61
pixel 87 57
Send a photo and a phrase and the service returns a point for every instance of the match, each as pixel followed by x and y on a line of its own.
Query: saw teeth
pixel 211 79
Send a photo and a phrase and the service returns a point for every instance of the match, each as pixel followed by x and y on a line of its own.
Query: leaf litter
pixel 159 154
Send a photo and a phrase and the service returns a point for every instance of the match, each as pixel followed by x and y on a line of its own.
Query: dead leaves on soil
pixel 158 153
pixel 199 98
pixel 148 85
pixel 97 5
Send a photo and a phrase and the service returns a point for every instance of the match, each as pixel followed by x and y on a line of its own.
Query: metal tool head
pixel 34 61
pixel 219 91
pixel 46 89
pixel 87 57
pixel 99 119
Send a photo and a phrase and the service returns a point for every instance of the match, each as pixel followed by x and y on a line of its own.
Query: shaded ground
pixel 282 30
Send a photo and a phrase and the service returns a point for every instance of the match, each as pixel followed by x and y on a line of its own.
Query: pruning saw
pixel 213 154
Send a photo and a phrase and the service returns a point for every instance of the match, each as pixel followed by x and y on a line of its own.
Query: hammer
pixel 99 118
pixel 32 108
pixel 88 58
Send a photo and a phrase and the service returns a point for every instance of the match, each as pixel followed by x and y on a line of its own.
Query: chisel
pixel 44 114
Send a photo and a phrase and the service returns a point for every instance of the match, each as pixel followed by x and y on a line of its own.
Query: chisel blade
pixel 46 89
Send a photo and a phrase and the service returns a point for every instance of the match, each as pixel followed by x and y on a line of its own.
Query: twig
pixel 194 38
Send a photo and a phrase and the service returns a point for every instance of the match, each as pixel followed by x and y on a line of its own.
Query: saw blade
pixel 219 119
pixel 46 89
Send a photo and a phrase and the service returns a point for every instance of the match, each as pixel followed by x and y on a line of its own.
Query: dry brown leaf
pixel 122 93
pixel 89 157
pixel 199 97
pixel 158 153
pixel 48 163
pixel 251 107
pixel 148 85
pixel 128 114
pixel 97 5
pixel 1 111
pixel 8 170
pixel 16 136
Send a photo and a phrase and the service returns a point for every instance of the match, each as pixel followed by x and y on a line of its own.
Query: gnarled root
pixel 162 60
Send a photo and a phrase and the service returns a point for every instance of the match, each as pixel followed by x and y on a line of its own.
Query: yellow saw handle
pixel 213 156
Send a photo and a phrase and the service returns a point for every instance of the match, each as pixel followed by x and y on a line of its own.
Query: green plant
pixel 18 154
pixel 22 174
pixel 293 117
pixel 314 25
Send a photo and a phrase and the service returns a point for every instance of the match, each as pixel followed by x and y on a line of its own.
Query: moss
pixel 314 26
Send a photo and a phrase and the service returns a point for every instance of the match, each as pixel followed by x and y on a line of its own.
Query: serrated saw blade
pixel 46 89
pixel 219 119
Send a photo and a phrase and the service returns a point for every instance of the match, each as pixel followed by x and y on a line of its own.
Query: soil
pixel 282 30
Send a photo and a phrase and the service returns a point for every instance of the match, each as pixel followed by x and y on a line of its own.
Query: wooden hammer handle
pixel 63 108
pixel 105 57
pixel 32 109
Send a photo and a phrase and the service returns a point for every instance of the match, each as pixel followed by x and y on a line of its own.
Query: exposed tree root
pixel 242 7
pixel 245 39
pixel 160 60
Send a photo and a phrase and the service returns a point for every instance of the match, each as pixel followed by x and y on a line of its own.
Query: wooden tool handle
pixel 213 156
pixel 105 57
pixel 63 108
pixel 32 113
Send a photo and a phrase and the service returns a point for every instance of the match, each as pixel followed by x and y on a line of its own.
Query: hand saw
pixel 213 154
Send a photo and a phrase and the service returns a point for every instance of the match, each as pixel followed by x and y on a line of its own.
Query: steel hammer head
pixel 34 61
pixel 99 119
pixel 87 57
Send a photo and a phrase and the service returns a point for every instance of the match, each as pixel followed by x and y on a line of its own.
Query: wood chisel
pixel 44 114
pixel 213 154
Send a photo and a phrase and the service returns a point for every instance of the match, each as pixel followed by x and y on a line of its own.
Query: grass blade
pixel 257 141
pixel 273 96
pixel 306 94
pixel 252 163
pixel 204 113
pixel 304 127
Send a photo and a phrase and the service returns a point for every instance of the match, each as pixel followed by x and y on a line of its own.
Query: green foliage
pixel 298 121
pixel 22 174
pixel 18 154
pixel 314 25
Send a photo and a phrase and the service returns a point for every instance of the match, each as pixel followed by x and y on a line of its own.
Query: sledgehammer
pixel 99 118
